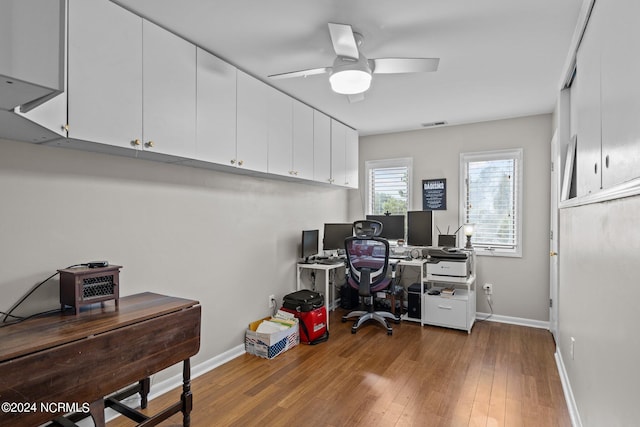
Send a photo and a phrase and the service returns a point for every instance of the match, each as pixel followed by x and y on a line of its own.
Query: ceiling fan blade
pixel 301 73
pixel 356 97
pixel 344 43
pixel 403 65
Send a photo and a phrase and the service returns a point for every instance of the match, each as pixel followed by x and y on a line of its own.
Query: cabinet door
pixel 31 50
pixel 252 123
pixel 338 165
pixel 105 73
pixel 169 89
pixel 302 140
pixel 321 147
pixel 216 110
pixel 588 171
pixel 620 92
pixel 279 133
pixel 351 157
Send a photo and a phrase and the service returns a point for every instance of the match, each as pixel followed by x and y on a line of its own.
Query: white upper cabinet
pixel 588 109
pixel 216 110
pixel 169 92
pixel 31 51
pixel 351 157
pixel 280 132
pixel 338 153
pixel 302 140
pixel 252 123
pixel 321 147
pixel 607 98
pixel 620 100
pixel 105 73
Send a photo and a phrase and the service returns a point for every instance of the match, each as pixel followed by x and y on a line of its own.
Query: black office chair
pixel 367 262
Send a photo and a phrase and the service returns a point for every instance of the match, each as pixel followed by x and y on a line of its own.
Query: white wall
pixel 521 285
pixel 599 294
pixel 226 240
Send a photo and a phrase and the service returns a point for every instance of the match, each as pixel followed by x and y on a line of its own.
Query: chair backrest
pixel 367 259
pixel 365 228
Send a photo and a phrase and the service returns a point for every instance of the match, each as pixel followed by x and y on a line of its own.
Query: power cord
pixel 28 294
pixel 490 309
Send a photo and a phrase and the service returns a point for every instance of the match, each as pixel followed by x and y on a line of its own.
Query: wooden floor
pixel 500 375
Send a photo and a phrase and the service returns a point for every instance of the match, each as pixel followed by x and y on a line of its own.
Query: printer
pixel 449 265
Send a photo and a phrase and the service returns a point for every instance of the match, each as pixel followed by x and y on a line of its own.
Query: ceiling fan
pixel 351 71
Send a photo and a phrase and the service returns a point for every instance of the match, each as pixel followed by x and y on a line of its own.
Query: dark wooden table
pixel 60 363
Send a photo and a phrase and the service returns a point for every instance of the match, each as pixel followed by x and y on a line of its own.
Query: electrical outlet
pixel 488 288
pixel 272 301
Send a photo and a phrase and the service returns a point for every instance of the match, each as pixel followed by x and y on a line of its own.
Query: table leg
pixel 96 409
pixel 187 396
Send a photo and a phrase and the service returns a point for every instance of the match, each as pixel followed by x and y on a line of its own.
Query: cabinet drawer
pixel 447 312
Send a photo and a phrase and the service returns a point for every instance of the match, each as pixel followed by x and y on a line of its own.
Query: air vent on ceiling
pixel 431 124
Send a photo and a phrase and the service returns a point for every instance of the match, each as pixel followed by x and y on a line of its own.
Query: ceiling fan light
pixel 350 82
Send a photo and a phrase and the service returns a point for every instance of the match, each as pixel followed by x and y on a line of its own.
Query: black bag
pixel 303 300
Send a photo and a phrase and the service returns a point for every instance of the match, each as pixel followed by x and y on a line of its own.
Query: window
pixel 388 186
pixel 491 198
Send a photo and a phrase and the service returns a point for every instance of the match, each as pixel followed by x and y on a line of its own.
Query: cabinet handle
pixel 552 253
pixel 233 161
pixel 330 181
pixel 606 161
pixel 149 144
pixel 595 168
pixel 136 142
pixel 445 307
pixel 240 162
pixel 66 127
pixel 295 173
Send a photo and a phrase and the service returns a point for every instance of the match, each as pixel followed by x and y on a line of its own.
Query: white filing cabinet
pixel 457 311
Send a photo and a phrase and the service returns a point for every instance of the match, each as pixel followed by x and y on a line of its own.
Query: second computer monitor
pixel 392 225
pixel 334 235
pixel 419 228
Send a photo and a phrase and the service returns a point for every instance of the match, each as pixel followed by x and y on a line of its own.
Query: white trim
pixel 175 381
pixel 477 156
pixel 626 189
pixel 540 324
pixel 578 32
pixel 388 163
pixel 568 392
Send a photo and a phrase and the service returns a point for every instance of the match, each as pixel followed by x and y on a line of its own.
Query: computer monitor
pixel 310 240
pixel 334 235
pixel 419 228
pixel 392 225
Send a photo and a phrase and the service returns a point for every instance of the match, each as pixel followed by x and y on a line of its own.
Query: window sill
pixel 498 253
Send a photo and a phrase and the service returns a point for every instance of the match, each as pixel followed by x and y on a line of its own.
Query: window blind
pixel 388 190
pixel 492 202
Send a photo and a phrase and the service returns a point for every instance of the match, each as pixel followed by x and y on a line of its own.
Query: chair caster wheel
pixel 353 330
pixel 397 321
pixel 389 332
pixel 343 320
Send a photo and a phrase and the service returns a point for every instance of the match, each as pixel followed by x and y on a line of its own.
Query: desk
pixel 80 359
pixel 327 268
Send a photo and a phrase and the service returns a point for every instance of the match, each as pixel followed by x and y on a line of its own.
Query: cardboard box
pixel 270 345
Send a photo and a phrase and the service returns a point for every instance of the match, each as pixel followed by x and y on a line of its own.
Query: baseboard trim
pixel 175 381
pixel 540 324
pixel 568 392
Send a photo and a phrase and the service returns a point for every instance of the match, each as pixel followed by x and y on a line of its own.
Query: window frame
pixel 388 163
pixel 477 156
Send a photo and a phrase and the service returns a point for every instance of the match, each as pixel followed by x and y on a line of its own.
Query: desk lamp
pixel 468 231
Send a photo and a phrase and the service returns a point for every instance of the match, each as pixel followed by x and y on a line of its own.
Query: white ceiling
pixel 498 58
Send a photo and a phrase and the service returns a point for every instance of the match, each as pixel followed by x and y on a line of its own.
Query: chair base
pixel 364 316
